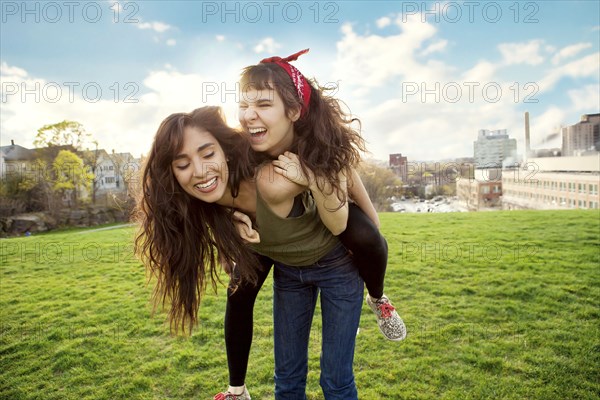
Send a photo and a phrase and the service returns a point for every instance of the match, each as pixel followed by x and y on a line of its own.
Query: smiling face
pixel 264 118
pixel 200 166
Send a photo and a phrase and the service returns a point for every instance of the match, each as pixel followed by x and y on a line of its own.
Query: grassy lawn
pixel 499 305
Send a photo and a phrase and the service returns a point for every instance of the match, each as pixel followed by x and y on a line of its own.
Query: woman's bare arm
pixel 333 212
pixel 359 194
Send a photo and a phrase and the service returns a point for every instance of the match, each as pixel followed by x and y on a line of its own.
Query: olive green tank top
pixel 296 240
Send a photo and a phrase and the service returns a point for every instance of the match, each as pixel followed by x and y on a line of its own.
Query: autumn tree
pixel 27 189
pixel 380 183
pixel 61 134
pixel 71 176
pixel 36 186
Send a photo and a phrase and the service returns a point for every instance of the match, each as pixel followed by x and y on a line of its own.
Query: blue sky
pixel 423 77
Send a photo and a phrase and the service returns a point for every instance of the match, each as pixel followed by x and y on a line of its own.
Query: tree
pixel 91 158
pixel 71 175
pixel 26 190
pixel 61 134
pixel 380 184
pixel 36 186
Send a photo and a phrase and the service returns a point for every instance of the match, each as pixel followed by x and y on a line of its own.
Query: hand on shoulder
pixel 275 188
pixel 288 165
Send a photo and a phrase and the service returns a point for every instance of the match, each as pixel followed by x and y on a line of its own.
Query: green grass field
pixel 499 305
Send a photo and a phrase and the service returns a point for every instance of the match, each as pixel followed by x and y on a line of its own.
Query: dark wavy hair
pixel 180 237
pixel 325 140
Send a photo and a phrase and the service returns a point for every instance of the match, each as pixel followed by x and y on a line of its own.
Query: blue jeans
pixel 295 296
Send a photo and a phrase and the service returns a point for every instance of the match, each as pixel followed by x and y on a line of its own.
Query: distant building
pixel 582 137
pixel 553 183
pixel 399 165
pixel 492 148
pixel 483 191
pixel 16 160
pixel 112 178
pixel 115 174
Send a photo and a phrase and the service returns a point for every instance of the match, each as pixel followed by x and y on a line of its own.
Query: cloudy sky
pixel 423 77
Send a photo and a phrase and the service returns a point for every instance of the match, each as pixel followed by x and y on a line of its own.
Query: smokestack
pixel 527 141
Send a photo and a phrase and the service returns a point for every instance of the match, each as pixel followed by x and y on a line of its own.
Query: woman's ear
pixel 295 114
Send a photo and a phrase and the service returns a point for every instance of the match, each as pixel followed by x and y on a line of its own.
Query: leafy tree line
pixel 381 184
pixel 57 176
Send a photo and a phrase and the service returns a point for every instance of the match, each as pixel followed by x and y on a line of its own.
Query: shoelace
pixel 226 396
pixel 386 310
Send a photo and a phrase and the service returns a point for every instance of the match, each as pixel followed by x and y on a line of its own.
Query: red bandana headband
pixel 300 82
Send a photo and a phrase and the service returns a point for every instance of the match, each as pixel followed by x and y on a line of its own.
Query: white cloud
pixel 156 26
pixel 521 53
pixel 435 47
pixel 422 108
pixel 130 125
pixel 171 42
pixel 6 70
pixel 267 45
pixel 370 68
pixel 483 71
pixel 585 100
pixel 587 66
pixel 430 130
pixel 569 51
pixel 383 22
pixel 37 102
pixel 441 119
pixel 370 61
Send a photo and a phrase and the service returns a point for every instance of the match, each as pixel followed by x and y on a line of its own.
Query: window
pixel 110 179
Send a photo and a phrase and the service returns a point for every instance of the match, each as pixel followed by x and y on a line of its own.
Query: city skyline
pixel 423 78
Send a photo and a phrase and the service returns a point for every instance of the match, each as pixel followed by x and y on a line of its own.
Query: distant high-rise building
pixel 398 164
pixel 581 137
pixel 492 148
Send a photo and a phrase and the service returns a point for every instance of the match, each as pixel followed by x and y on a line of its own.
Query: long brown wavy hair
pixel 180 237
pixel 324 138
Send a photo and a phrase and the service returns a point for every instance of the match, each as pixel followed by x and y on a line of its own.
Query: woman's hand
pixel 288 165
pixel 243 223
pixel 226 264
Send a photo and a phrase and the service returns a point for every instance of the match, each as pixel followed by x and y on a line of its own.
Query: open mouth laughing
pixel 257 135
pixel 207 186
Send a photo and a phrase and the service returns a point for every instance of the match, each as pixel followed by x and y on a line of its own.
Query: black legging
pixel 239 322
pixel 369 250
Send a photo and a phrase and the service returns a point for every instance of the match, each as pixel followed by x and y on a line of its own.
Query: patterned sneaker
pixel 390 323
pixel 230 396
